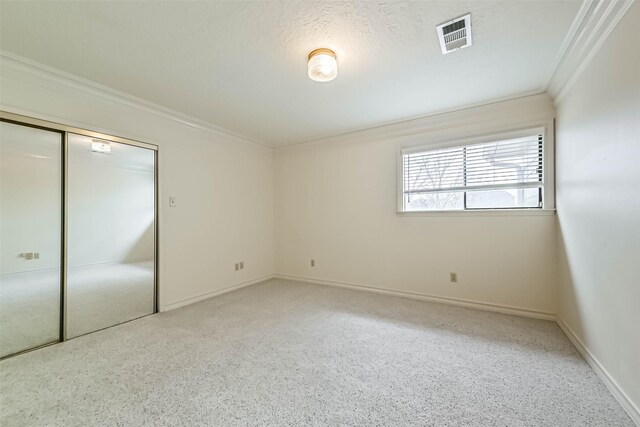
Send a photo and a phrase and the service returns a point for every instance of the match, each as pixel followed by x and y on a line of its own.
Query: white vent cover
pixel 455 34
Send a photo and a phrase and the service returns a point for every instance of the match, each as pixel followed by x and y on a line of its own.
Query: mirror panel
pixel 30 237
pixel 110 235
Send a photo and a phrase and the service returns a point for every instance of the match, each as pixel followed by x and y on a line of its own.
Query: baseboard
pixel 607 379
pixel 425 297
pixel 207 295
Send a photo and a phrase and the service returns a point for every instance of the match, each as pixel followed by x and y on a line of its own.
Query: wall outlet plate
pixel 453 277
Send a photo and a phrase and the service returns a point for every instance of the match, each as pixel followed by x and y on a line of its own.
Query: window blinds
pixel 507 164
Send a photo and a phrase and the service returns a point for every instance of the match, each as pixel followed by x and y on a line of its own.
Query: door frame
pixel 64 131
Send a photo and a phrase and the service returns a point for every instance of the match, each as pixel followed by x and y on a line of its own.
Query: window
pixel 500 174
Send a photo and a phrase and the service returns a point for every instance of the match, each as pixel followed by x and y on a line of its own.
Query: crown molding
pixel 27 66
pixel 534 106
pixel 595 20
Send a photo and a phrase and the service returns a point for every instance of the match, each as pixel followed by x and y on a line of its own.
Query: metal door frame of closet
pixel 65 130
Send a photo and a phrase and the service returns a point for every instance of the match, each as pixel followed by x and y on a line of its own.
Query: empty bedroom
pixel 295 212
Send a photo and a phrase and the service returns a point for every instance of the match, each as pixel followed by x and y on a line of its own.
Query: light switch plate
pixel 172 202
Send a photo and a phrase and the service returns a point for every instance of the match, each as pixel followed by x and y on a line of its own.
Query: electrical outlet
pixel 313 263
pixel 241 265
pixel 36 255
pixel 237 266
pixel 453 277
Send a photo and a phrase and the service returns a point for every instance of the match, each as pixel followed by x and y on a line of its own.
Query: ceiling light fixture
pixel 322 66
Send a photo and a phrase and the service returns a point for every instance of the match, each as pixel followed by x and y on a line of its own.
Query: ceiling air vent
pixel 455 34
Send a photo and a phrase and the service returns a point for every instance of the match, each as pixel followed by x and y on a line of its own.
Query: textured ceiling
pixel 242 64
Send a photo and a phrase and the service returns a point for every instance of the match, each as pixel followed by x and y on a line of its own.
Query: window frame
pixel 548 178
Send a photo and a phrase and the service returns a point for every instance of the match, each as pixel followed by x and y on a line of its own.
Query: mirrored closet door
pixel 111 233
pixel 78 232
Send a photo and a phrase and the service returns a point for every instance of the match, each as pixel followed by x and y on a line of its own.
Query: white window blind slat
pixel 481 187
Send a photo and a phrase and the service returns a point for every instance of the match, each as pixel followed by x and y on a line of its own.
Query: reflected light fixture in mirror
pixel 322 65
pixel 98 146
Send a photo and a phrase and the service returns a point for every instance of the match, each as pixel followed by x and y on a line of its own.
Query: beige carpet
pixel 285 353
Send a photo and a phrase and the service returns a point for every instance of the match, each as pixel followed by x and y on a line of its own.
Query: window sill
pixel 483 212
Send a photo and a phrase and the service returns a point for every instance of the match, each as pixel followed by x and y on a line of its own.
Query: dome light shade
pixel 322 66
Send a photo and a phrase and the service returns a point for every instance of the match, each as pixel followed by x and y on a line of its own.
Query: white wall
pixel 223 185
pixel 336 203
pixel 598 201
